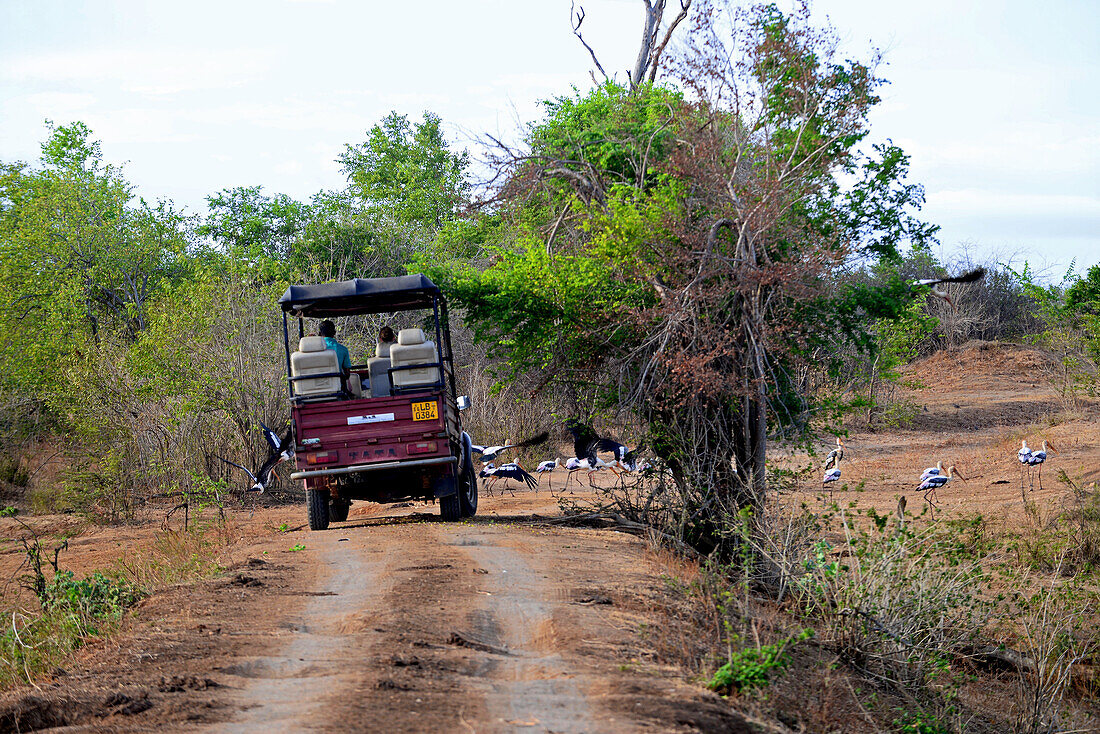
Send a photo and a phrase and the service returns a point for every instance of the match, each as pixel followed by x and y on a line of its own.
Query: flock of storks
pixel 935 477
pixel 587 445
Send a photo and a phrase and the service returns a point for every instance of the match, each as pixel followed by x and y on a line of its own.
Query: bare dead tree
pixel 652 46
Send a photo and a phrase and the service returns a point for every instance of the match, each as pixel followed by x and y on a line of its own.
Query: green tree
pixel 405 174
pixel 682 256
pixel 80 259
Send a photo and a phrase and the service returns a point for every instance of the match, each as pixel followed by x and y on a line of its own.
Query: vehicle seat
pixel 379 365
pixel 355 385
pixel 314 358
pixel 412 349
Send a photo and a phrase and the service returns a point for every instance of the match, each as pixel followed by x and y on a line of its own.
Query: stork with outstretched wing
pixel 282 449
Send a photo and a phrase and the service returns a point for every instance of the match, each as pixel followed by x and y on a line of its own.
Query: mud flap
pixel 444 487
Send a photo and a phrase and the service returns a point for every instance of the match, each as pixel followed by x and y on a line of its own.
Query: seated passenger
pixel 386 339
pixel 328 331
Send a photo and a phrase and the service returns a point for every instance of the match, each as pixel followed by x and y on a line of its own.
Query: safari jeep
pixel 391 432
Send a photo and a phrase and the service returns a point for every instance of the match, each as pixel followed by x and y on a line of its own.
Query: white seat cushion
pixel 379 376
pixel 413 349
pixel 382 349
pixel 310 360
pixel 409 337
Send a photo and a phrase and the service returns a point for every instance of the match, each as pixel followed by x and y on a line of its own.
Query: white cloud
pixel 984 202
pixel 144 71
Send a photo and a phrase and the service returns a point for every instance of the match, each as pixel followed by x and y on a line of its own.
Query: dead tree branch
pixel 576 18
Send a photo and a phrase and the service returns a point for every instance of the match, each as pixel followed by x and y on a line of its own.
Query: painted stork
pixel 831 475
pixel 835 455
pixel 1037 458
pixel 934 482
pixel 282 449
pixel 586 444
pixel 490 453
pixel 932 471
pixel 546 467
pixel 574 465
pixel 938 292
pixel 510 471
pixel 1024 457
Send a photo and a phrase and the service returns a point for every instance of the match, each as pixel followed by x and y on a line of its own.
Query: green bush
pixel 911 723
pixel 753 667
pixel 72 609
pixel 94 597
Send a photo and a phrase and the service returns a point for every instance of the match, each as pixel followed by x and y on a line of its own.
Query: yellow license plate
pixel 425 411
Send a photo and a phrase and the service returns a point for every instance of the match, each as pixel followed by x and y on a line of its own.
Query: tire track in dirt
pixel 529 686
pixel 288 688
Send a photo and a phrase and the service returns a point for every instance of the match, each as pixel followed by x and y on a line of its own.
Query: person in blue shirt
pixel 328 331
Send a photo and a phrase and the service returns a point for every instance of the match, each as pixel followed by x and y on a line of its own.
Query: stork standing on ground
pixel 932 471
pixel 934 482
pixel 1037 458
pixel 831 475
pixel 515 472
pixel 546 467
pixel 574 465
pixel 835 455
pixel 1024 457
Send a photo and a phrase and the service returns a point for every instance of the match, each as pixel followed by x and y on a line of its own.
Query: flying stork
pixel 586 444
pixel 934 283
pixel 490 453
pixel 281 450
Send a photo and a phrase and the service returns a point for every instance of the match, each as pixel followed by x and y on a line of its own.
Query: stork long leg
pixel 1040 477
pixel 931 505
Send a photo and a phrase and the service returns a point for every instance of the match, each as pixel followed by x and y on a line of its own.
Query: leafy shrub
pixel 72 609
pixel 12 472
pixel 753 667
pixel 921 723
pixel 93 597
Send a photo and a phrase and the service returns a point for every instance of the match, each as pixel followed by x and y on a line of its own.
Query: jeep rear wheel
pixel 338 510
pixel 317 508
pixel 450 508
pixel 467 490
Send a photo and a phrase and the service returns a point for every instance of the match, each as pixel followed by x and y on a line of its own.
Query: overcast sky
pixel 997 104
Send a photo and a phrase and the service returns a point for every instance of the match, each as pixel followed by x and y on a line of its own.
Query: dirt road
pixel 395 623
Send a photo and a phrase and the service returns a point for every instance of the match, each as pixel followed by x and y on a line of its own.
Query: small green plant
pixel 920 723
pixel 96 596
pixel 753 667
pixel 297 547
pixel 8 512
pixel 283 528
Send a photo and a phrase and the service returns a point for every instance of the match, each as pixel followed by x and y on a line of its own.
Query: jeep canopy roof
pixel 359 295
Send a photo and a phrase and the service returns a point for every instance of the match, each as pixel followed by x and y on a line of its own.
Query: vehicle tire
pixel 467 488
pixel 338 510
pixel 317 508
pixel 450 508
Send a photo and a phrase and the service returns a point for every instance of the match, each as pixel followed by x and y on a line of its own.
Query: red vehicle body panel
pixel 343 433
